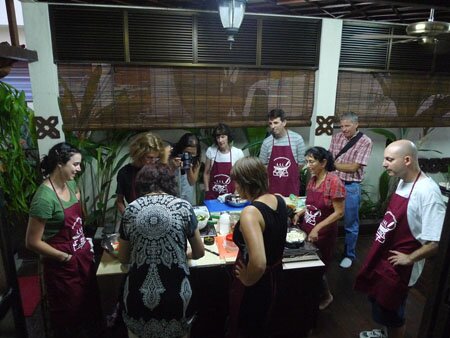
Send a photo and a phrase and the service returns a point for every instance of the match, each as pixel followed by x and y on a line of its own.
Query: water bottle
pixel 224 223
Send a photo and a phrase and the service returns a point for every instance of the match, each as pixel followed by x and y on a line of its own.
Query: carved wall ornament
pixel 47 127
pixel 324 125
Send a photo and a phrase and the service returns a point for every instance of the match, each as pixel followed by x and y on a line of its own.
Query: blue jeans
pixel 351 218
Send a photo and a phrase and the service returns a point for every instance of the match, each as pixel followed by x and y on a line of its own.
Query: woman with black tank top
pixel 260 235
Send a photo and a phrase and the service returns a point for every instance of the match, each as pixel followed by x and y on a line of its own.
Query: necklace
pixel 55 185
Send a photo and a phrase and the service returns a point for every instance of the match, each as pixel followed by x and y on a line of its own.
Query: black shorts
pixel 389 318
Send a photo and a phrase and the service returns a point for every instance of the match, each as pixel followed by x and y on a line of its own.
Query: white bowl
pixel 202 218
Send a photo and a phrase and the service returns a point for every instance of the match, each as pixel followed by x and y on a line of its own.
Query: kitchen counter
pixel 110 265
pixel 211 276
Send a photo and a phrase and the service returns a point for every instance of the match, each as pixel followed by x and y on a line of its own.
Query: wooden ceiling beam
pixel 12 23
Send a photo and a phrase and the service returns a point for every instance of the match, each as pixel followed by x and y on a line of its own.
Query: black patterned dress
pixel 157 290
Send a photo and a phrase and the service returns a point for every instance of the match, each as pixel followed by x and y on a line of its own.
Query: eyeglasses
pixel 151 159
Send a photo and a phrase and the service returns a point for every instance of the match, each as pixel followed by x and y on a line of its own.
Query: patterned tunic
pixel 157 290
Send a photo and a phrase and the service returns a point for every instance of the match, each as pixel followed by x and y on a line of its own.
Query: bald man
pixel 409 233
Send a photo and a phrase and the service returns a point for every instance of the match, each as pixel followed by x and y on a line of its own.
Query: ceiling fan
pixel 424 32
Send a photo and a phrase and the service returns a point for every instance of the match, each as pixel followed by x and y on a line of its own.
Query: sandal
pixel 325 303
pixel 375 333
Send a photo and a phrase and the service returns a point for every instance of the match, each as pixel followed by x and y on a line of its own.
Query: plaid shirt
pixel 359 153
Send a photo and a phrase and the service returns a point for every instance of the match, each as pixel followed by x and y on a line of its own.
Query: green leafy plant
pixel 369 209
pixel 102 161
pixel 255 137
pixel 387 184
pixel 18 152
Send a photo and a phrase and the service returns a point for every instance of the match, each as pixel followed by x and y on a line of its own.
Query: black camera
pixel 186 159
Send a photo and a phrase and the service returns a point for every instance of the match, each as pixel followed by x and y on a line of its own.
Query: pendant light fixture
pixel 231 14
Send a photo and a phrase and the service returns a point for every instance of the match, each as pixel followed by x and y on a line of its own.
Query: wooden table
pixel 294 315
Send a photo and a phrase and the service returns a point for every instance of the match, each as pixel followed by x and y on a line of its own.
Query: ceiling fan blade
pixel 379 36
pixel 405 40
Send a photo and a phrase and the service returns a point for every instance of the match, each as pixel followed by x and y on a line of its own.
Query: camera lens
pixel 186 158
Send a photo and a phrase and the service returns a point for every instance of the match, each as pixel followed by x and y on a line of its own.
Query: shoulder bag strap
pixel 350 144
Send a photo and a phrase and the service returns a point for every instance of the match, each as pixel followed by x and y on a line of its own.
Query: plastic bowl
pixel 229 244
pixel 202 218
pixel 235 201
pixel 295 238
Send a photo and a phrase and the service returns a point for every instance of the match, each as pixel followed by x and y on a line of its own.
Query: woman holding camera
pixel 220 157
pixel 189 151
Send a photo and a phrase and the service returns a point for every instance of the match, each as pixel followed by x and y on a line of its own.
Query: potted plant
pixel 102 160
pixel 18 149
pixel 18 155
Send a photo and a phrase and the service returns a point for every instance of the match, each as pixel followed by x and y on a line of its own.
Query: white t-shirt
pixel 236 154
pixel 426 213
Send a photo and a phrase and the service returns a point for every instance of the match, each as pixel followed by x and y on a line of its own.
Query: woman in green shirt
pixel 55 232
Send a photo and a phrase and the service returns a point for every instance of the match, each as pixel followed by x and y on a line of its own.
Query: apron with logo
pixel 72 291
pixel 220 181
pixel 382 281
pixel 316 212
pixel 282 170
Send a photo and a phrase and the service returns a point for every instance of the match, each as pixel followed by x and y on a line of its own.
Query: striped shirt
pixel 359 153
pixel 297 146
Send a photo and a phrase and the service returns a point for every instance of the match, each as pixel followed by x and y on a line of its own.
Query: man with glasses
pixel 351 150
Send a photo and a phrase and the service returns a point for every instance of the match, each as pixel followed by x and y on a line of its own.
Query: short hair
pixel 58 154
pixel 251 175
pixel 156 177
pixel 222 129
pixel 350 116
pixel 275 113
pixel 320 154
pixel 187 140
pixel 144 143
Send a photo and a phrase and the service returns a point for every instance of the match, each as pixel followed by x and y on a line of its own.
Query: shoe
pixel 346 263
pixel 325 303
pixel 375 333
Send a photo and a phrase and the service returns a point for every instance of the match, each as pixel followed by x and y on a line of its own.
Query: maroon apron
pixel 219 179
pixel 382 281
pixel 72 291
pixel 282 170
pixel 237 291
pixel 316 212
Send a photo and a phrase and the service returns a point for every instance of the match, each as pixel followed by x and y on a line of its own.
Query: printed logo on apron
pixel 221 182
pixel 78 239
pixel 281 166
pixel 312 214
pixel 388 223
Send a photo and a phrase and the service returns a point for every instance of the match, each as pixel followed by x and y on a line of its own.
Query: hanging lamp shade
pixel 231 14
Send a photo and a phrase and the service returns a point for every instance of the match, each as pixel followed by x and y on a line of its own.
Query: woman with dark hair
pixel 154 232
pixel 55 232
pixel 260 235
pixel 189 151
pixel 220 157
pixel 325 200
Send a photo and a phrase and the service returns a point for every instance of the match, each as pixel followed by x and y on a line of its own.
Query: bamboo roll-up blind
pixel 395 99
pixel 96 97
